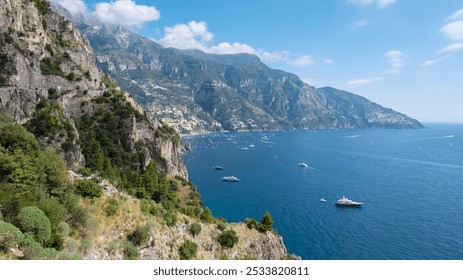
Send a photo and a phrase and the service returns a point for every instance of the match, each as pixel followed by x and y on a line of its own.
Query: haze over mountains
pixel 198 92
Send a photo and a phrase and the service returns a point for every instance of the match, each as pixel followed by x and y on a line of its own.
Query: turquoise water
pixel 411 183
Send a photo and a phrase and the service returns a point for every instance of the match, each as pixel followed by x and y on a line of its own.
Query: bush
pixel 188 250
pixel 42 6
pixel 221 226
pixel 139 236
pixel 195 229
pixel 266 223
pixel 111 207
pixel 251 223
pixel 148 207
pixel 34 251
pixel 206 215
pixel 170 217
pixel 63 229
pixel 88 188
pixel 1 216
pixel 14 137
pixel 228 238
pixel 10 236
pixel 32 220
pixel 130 251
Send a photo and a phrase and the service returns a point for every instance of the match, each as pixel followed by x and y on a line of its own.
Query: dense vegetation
pixel 37 201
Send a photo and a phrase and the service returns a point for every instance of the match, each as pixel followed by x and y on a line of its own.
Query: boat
pixel 322 200
pixel 218 167
pixel 303 165
pixel 230 179
pixel 345 202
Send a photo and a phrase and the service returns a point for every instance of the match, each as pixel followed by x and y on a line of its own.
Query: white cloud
pixel 363 82
pixel 227 48
pixel 125 12
pixel 429 63
pixel 452 47
pixel 379 3
pixel 303 60
pixel 457 15
pixel 453 30
pixel 75 7
pixel 328 61
pixel 195 35
pixel 396 60
pixel 360 23
pixel 274 56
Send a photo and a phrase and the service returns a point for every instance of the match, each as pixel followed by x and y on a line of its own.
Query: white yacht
pixel 230 179
pixel 303 165
pixel 345 202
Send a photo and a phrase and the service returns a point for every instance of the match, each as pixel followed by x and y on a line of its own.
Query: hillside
pixel 85 171
pixel 198 92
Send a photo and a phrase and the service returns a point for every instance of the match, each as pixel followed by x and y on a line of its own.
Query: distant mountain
pixel 198 92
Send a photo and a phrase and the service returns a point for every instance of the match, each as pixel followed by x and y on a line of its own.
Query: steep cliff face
pixel 49 80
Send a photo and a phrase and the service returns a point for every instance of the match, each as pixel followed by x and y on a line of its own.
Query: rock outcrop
pixel 44 60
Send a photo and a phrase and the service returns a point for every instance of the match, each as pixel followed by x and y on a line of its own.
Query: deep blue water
pixel 411 183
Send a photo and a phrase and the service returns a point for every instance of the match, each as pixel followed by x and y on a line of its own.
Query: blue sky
pixel 402 54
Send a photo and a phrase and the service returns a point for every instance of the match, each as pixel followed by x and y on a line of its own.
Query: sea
pixel 410 181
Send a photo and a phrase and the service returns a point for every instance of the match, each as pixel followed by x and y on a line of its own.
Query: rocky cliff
pixel 47 69
pixel 198 92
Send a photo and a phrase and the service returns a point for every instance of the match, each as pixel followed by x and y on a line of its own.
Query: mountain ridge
pixel 198 92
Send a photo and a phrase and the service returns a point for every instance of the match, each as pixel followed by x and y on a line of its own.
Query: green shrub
pixel 221 226
pixel 10 236
pixel 228 238
pixel 14 137
pixel 88 188
pixel 139 236
pixel 34 251
pixel 206 215
pixel 1 216
pixel 63 229
pixel 130 251
pixel 84 171
pixel 251 223
pixel 32 220
pixel 111 207
pixel 51 66
pixel 266 223
pixel 42 6
pixel 148 207
pixel 170 217
pixel 187 250
pixel 195 229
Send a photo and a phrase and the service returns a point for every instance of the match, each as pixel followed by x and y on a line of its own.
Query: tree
pixel 228 238
pixel 54 172
pixel 150 179
pixel 94 155
pixel 266 223
pixel 187 250
pixel 32 220
pixel 206 215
